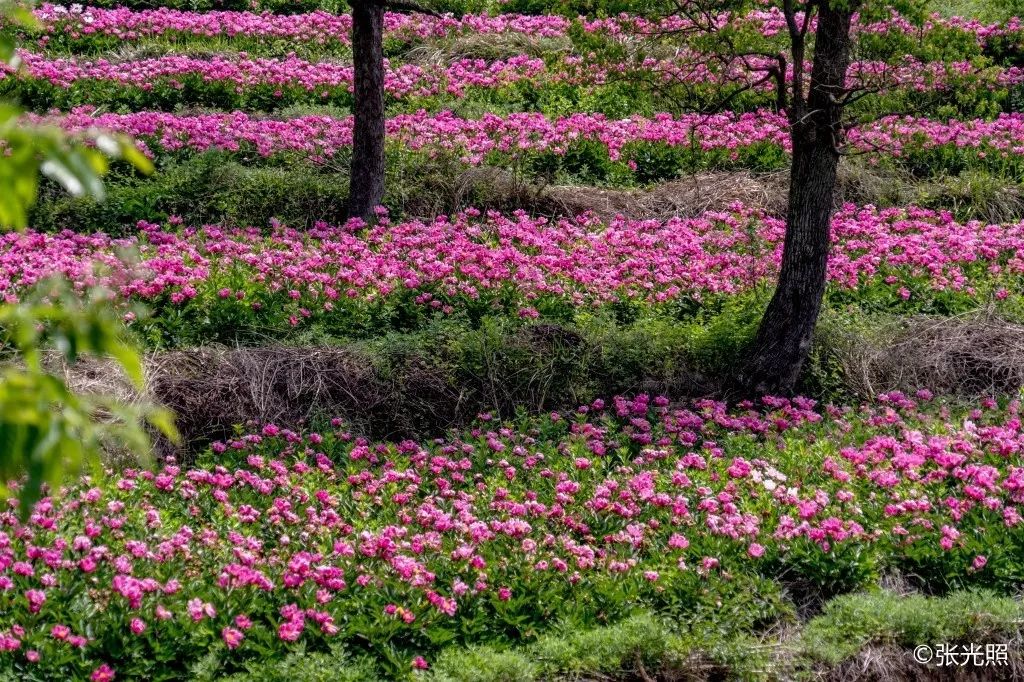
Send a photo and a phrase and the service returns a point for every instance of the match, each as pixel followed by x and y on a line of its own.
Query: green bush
pixel 208 188
pixel 484 664
pixel 852 622
pixel 301 666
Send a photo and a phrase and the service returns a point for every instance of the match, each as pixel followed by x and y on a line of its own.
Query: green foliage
pixel 983 10
pixel 74 166
pixel 615 651
pixel 575 8
pixel 29 150
pixel 484 664
pixel 646 646
pixel 46 430
pixel 307 666
pixel 202 189
pixel 852 622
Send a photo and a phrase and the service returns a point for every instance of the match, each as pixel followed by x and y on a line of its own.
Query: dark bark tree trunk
pixel 784 337
pixel 366 185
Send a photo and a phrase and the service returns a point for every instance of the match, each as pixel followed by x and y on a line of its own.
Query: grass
pixel 983 10
pixel 852 622
pixel 646 647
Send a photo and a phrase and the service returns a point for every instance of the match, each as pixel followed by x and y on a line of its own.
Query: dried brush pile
pixel 882 663
pixel 965 355
pixel 688 196
pixel 414 386
pixel 395 388
pixel 692 195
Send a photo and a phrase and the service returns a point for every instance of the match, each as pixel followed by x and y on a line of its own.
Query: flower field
pixel 711 140
pixel 627 224
pixel 911 258
pixel 279 538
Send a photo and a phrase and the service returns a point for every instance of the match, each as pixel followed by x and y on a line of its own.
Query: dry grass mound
pixel 880 663
pixel 213 389
pixel 688 196
pixel 966 355
pixel 970 195
pixel 420 388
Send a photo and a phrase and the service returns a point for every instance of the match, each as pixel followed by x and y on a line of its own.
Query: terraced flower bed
pixel 633 146
pixel 279 540
pixel 351 277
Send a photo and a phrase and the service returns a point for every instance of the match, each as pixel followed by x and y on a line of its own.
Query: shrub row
pixel 246 189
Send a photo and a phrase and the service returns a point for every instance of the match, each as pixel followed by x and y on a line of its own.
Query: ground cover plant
pixel 493 429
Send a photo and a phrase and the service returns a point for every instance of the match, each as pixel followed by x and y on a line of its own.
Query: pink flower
pixel 290 630
pixel 504 593
pixel 138 626
pixel 979 562
pixel 420 663
pixel 36 599
pixel 677 541
pixel 755 550
pixel 232 637
pixel 104 673
pixel 197 609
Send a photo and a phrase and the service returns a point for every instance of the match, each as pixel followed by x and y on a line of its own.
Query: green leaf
pixel 131 154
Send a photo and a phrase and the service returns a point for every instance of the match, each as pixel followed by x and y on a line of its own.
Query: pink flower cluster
pixel 583 261
pixel 242 71
pixel 321 137
pixel 79 21
pixel 772 22
pixel 695 68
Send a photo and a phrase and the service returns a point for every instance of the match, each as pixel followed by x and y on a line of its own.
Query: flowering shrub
pixel 275 546
pixel 646 149
pixel 280 538
pixel 349 278
pixel 223 79
pixel 266 83
pixel 62 24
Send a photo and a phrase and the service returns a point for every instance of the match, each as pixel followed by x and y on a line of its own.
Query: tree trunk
pixel 366 185
pixel 784 337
